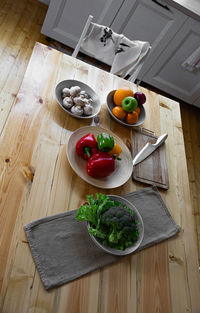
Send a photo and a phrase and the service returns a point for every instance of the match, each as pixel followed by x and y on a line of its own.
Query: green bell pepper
pixel 105 142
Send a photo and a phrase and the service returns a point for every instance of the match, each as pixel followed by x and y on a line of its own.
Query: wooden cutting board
pixel 153 170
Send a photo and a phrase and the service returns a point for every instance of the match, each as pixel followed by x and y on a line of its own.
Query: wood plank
pixel 22 129
pixel 179 250
pixel 18 20
pixel 152 280
pixel 191 125
pixel 178 279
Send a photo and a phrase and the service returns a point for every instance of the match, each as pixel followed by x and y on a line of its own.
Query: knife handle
pixel 160 140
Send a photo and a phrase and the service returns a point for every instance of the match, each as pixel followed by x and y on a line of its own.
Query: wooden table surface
pixel 36 180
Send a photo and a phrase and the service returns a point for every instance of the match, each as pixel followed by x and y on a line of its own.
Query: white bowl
pixel 70 83
pixel 111 105
pixel 136 244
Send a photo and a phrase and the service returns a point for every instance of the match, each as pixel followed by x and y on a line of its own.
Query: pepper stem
pixel 87 150
pixel 116 158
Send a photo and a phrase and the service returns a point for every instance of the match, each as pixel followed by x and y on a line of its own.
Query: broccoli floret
pixel 111 222
pixel 120 218
pixel 122 225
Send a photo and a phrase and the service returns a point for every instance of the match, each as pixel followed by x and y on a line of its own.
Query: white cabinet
pixel 65 19
pixel 168 74
pixel 153 21
pixel 172 34
pixel 197 102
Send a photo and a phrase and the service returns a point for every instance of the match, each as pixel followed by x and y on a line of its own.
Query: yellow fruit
pixel 137 110
pixel 121 93
pixel 132 118
pixel 118 112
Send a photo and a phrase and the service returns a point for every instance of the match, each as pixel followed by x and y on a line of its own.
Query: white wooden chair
pixel 84 32
pixel 126 57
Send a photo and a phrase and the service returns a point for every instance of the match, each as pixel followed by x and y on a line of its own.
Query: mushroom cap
pixel 80 101
pixel 87 109
pixel 67 102
pixel 74 91
pixel 77 110
pixel 84 94
pixel 65 92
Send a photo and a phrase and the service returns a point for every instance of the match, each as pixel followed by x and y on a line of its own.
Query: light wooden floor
pixel 20 25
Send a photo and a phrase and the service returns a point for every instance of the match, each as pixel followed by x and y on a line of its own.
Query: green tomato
pixel 129 104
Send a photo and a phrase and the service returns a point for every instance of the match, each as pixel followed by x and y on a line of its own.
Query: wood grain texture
pixel 20 24
pixel 153 170
pixel 37 180
pixel 191 130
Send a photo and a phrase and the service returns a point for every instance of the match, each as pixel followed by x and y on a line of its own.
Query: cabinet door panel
pixel 65 19
pixel 145 20
pixel 169 75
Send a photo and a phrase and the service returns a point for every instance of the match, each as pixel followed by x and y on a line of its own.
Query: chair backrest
pixel 126 57
pixel 84 32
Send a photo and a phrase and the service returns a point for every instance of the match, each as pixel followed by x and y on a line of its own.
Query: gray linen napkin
pixel 63 250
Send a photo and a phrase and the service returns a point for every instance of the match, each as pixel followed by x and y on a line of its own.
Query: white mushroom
pixel 67 102
pixel 87 102
pixel 80 101
pixel 77 110
pixel 83 94
pixel 74 91
pixel 88 109
pixel 65 92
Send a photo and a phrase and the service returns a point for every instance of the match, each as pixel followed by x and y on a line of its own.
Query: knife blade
pixel 148 149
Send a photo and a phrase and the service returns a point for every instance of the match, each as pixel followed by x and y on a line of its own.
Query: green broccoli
pixel 122 227
pixel 111 222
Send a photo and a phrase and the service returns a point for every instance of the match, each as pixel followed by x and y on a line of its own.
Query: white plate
pixel 123 168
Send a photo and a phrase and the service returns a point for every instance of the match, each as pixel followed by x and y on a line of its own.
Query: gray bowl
pixel 136 244
pixel 111 105
pixel 70 83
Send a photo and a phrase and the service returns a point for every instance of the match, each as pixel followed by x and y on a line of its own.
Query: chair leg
pixel 137 82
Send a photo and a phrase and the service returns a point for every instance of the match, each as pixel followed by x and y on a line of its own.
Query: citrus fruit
pixel 138 110
pixel 118 112
pixel 132 118
pixel 122 93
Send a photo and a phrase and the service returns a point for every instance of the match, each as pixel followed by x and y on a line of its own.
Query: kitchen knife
pixel 148 149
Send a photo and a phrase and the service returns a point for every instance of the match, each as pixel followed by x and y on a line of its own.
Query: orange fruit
pixel 137 110
pixel 118 112
pixel 132 118
pixel 122 93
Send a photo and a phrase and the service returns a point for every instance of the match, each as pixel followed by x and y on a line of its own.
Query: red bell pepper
pixel 87 146
pixel 100 164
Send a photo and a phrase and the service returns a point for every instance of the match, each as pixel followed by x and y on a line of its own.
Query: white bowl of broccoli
pixel 113 223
